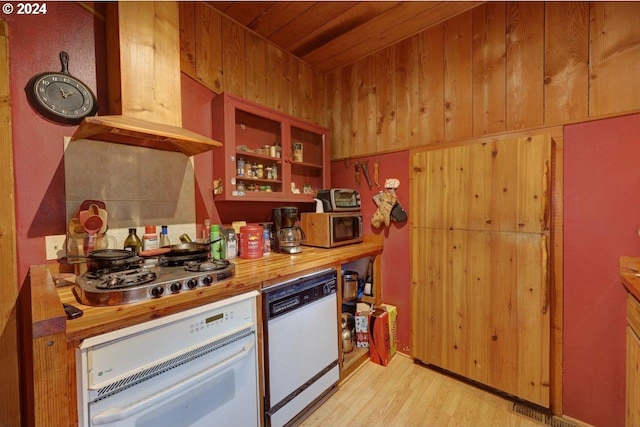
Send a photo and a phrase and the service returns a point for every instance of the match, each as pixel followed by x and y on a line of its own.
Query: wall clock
pixel 60 96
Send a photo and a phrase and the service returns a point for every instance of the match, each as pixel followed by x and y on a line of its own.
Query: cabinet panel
pixel 258 160
pixel 480 308
pixel 479 263
pixel 501 185
pixel 632 417
pixel 633 313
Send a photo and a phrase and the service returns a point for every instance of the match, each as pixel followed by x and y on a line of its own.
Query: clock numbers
pixel 61 97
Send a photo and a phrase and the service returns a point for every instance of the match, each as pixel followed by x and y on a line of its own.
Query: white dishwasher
pixel 197 368
pixel 301 345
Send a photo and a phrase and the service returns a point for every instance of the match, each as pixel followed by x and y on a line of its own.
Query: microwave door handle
pixel 361 226
pixel 112 415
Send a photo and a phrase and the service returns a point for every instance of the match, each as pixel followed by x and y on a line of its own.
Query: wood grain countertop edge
pixel 250 275
pixel 629 267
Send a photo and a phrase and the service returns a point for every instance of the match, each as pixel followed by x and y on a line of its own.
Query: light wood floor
pixel 405 394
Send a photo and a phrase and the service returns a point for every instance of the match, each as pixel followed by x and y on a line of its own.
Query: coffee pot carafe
pixel 290 239
pixel 288 236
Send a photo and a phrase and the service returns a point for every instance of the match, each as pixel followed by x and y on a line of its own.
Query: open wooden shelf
pixel 353 359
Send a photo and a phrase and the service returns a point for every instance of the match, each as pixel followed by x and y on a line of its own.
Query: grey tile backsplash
pixel 140 186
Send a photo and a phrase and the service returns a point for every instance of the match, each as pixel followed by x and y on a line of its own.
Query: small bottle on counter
pixel 216 242
pixel 232 243
pixel 164 236
pixel 206 230
pixel 132 242
pixel 266 238
pixel 150 238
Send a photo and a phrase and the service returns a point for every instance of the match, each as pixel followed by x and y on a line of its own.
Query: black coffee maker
pixel 288 236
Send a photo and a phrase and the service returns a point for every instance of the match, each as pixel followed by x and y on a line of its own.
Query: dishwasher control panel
pixel 291 295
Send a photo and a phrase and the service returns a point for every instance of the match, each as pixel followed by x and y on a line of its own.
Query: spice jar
pixel 260 171
pixel 240 164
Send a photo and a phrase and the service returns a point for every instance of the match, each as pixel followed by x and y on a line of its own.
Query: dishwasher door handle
pixel 112 415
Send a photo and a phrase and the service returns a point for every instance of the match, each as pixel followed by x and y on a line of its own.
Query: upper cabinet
pixel 267 155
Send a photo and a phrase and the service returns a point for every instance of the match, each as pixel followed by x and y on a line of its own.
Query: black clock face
pixel 64 96
pixel 60 96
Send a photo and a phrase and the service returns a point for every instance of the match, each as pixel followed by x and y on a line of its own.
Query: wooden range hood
pixel 143 76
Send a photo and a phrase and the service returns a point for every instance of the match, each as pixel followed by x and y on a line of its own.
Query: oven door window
pixel 345 228
pixel 215 389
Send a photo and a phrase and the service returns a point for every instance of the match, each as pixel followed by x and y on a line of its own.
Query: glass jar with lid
pixel 240 166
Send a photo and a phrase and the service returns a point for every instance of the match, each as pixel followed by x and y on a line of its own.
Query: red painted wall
pixel 395 256
pixel 601 219
pixel 196 116
pixel 35 42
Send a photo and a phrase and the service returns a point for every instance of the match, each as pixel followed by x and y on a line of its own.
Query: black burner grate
pixel 126 279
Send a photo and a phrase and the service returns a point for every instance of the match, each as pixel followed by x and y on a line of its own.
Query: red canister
pixel 251 241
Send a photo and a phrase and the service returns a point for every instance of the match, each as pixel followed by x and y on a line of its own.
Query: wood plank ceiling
pixel 330 34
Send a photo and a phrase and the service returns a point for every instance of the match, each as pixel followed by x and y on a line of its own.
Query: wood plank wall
pixel 227 57
pixel 501 67
pixel 9 387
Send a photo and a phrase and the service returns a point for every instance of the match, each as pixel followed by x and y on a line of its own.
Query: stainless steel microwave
pixel 331 229
pixel 339 200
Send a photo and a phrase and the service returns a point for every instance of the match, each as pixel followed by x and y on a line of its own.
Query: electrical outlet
pixel 54 246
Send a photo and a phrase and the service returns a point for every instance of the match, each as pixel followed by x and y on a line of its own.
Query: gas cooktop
pixel 143 283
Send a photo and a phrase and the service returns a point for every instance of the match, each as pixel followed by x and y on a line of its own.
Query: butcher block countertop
pixel 629 267
pixel 250 274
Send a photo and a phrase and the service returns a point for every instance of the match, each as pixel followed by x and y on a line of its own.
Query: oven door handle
pixel 112 415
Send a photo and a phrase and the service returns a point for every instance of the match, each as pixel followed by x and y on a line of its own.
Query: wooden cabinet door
pixel 632 417
pixel 498 186
pixel 480 264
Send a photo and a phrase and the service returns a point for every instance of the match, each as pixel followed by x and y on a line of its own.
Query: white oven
pixel 197 368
